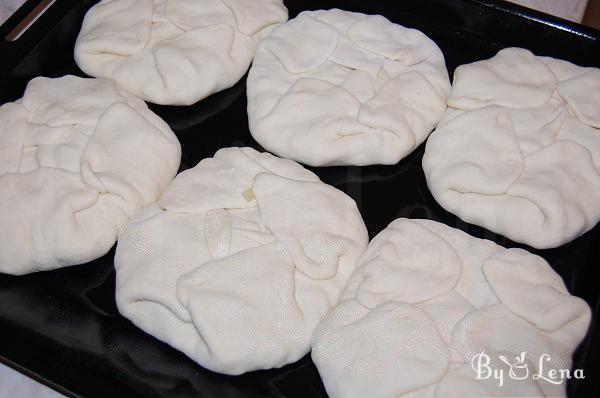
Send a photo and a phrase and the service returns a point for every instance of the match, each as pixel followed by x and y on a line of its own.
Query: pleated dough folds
pixel 518 150
pixel 333 87
pixel 425 299
pixel 174 52
pixel 77 157
pixel 239 260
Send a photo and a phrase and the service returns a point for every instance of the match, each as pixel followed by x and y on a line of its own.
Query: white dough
pixel 77 157
pixel 341 88
pixel 174 52
pixel 239 260
pixel 426 298
pixel 518 151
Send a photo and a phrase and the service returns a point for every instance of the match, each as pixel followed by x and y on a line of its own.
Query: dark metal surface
pixel 62 327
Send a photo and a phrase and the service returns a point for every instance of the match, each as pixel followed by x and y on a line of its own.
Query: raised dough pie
pixel 77 157
pixel 426 299
pixel 333 87
pixel 174 52
pixel 518 151
pixel 239 260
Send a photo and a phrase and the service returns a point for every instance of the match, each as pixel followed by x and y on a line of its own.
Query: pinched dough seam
pixel 378 256
pixel 349 68
pixel 135 238
pixel 523 156
pixel 397 134
pixel 506 194
pixel 126 235
pixel 174 38
pixel 100 193
pixel 436 384
pixel 104 192
pixel 462 263
pixel 237 28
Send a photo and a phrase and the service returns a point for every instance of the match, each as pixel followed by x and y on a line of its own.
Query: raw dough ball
pixel 342 88
pixel 425 299
pixel 174 52
pixel 518 151
pixel 77 157
pixel 239 260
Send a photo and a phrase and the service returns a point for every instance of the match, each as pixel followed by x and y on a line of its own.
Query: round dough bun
pixel 342 88
pixel 425 299
pixel 518 150
pixel 174 52
pixel 77 157
pixel 239 260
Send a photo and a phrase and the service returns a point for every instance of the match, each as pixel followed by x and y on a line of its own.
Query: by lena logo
pixel 518 369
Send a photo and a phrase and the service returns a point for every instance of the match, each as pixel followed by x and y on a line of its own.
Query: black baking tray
pixel 62 327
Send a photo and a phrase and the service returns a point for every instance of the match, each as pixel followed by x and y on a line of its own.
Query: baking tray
pixel 62 327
